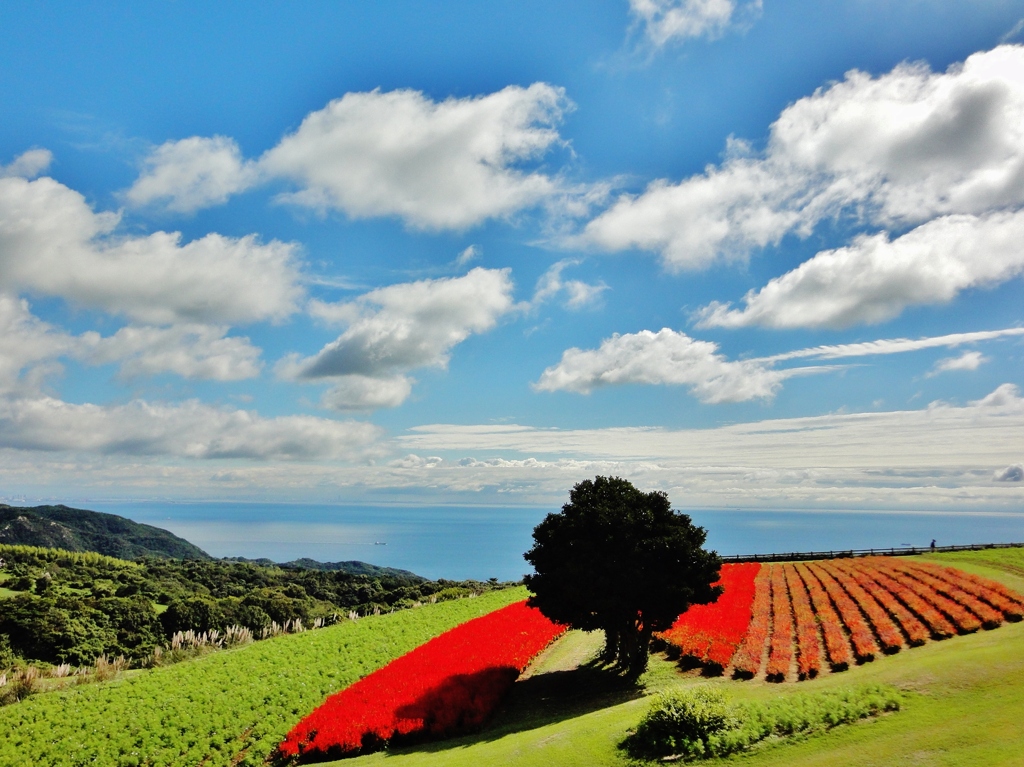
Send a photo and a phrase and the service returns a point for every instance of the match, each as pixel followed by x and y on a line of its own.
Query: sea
pixel 475 542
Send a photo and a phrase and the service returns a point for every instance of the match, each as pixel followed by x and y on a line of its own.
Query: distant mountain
pixel 61 527
pixel 353 567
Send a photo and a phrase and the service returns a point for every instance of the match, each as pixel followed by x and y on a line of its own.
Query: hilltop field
pixel 963 699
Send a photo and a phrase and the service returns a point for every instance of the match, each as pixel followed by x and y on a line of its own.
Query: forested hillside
pixel 61 527
pixel 68 607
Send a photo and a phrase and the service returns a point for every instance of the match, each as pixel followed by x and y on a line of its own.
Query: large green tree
pixel 623 561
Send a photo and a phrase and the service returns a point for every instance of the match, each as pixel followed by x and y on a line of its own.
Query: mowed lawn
pixel 964 705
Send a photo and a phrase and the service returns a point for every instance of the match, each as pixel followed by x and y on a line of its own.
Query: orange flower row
pixel 963 619
pixel 989 616
pixel 1010 604
pixel 888 635
pixel 917 633
pixel 910 594
pixel 747 660
pixel 836 646
pixel 864 646
pixel 807 645
pixel 780 653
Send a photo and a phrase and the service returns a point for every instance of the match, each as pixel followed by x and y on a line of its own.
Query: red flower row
pixel 450 684
pixel 711 633
pixel 747 660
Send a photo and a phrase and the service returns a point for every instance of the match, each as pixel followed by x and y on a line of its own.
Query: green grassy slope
pixel 227 708
pixel 965 705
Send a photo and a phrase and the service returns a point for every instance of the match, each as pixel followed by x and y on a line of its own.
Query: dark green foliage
pixel 62 527
pixel 698 722
pixel 623 561
pixel 6 653
pixel 353 567
pixel 680 720
pixel 74 607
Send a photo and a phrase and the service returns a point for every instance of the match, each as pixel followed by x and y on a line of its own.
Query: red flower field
pixel 450 684
pixel 778 621
pixel 711 633
pixel 842 611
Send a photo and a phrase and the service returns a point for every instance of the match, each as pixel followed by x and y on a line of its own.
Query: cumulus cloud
pixel 436 165
pixel 361 393
pixel 192 173
pixel 397 328
pixel 669 358
pixel 577 294
pixel 1014 473
pixel 28 165
pixel 444 165
pixel 672 358
pixel 893 150
pixel 188 430
pixel 1006 396
pixel 966 361
pixel 875 278
pixel 52 243
pixel 25 340
pixel 665 21
pixel 190 351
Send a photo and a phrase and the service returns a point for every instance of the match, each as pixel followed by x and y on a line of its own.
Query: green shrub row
pixel 700 723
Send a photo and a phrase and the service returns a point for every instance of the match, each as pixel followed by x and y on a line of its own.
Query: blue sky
pixel 758 255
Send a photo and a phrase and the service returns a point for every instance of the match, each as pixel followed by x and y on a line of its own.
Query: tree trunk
pixel 612 645
pixel 640 651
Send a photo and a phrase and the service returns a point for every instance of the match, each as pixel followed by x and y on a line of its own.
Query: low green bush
pixel 699 722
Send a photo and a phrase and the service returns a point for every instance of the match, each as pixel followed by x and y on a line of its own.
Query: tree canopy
pixel 618 559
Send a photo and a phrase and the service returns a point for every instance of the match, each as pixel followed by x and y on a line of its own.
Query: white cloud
pixel 400 327
pixel 578 294
pixel 1013 473
pixel 937 458
pixel 358 392
pixel 52 243
pixel 188 430
pixel 25 340
pixel 28 165
pixel 191 351
pixel 1006 397
pixel 898 149
pixel 668 20
pixel 672 358
pixel 471 253
pixel 893 345
pixel 667 357
pixel 875 278
pixel 966 361
pixel 437 165
pixel 192 173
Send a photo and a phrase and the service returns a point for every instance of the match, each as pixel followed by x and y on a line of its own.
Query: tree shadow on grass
pixel 545 699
